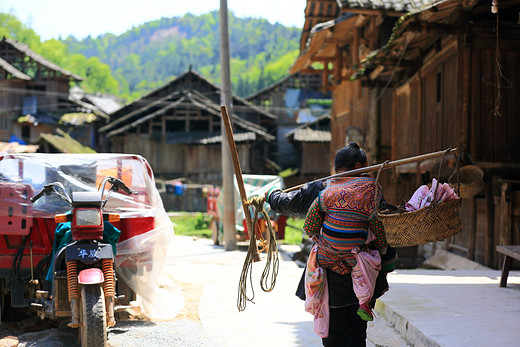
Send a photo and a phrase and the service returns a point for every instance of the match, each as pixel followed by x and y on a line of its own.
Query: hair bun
pixel 354 145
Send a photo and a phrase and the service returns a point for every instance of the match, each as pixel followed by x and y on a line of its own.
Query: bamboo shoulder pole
pixel 378 166
pixel 238 173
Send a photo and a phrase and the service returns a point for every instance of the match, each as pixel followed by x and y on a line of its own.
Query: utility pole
pixel 227 165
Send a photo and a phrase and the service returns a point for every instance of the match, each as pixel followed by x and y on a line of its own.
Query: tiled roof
pixel 311 135
pixel 190 74
pixel 206 137
pixel 315 131
pixel 317 11
pixel 23 48
pixel 13 71
pixel 178 99
pixel 409 45
pixel 105 103
pixel 388 5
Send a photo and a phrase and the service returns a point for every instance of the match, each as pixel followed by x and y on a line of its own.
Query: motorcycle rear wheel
pixel 93 329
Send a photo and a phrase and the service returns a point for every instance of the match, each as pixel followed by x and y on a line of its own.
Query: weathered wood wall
pixel 425 111
pixel 315 159
pixel 197 163
pixel 449 104
pixel 350 109
pixel 12 103
pixel 406 120
pixel 494 138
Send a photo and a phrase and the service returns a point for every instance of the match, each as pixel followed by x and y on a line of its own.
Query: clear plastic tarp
pixel 146 228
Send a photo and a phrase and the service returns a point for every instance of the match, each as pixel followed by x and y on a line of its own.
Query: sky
pixel 61 18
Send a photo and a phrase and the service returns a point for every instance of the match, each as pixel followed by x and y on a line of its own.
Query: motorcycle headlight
pixel 88 216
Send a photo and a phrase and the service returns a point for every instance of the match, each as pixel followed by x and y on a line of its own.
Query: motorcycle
pixel 83 277
pixel 41 251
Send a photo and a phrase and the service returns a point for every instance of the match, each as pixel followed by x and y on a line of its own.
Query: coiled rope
pixel 268 278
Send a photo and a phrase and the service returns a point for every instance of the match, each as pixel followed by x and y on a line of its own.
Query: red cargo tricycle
pixel 80 237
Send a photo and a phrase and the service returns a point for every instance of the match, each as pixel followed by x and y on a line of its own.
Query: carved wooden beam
pixel 404 63
pixel 338 64
pixel 372 12
pixel 320 19
pixel 336 41
pixel 376 72
pixel 310 71
pixel 325 76
pixel 318 58
pixel 440 28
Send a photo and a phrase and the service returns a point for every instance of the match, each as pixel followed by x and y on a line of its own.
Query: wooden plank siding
pixel 315 159
pixel 425 111
pixel 429 121
pixel 449 131
pixel 495 138
pixel 202 163
pixel 386 121
pixel 406 121
pixel 350 109
pixel 481 231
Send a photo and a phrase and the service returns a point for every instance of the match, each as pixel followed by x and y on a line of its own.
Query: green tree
pixel 11 27
pixel 97 75
pixel 145 57
pixel 158 50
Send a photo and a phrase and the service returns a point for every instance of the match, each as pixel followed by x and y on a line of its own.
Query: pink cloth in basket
pixel 424 196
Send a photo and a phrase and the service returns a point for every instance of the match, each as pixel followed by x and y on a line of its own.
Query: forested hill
pixel 144 58
pixel 152 54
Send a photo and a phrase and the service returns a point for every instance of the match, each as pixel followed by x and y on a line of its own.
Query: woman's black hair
pixel 347 157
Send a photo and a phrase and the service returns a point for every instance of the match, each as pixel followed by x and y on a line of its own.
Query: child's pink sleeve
pixel 314 219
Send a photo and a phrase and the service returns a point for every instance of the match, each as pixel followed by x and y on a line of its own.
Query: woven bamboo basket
pixel 470 179
pixel 435 222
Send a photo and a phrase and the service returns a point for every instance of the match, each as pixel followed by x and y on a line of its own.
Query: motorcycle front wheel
pixel 93 329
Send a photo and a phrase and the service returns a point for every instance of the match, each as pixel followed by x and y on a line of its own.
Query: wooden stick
pixel 377 167
pixel 238 174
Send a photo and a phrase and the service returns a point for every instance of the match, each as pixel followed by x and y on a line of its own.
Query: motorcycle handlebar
pixel 50 189
pixel 115 183
pixel 128 190
pixel 37 196
pixel 118 184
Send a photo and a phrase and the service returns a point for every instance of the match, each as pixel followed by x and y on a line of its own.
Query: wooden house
pixel 413 77
pixel 295 100
pixel 34 97
pixel 312 140
pixel 177 127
